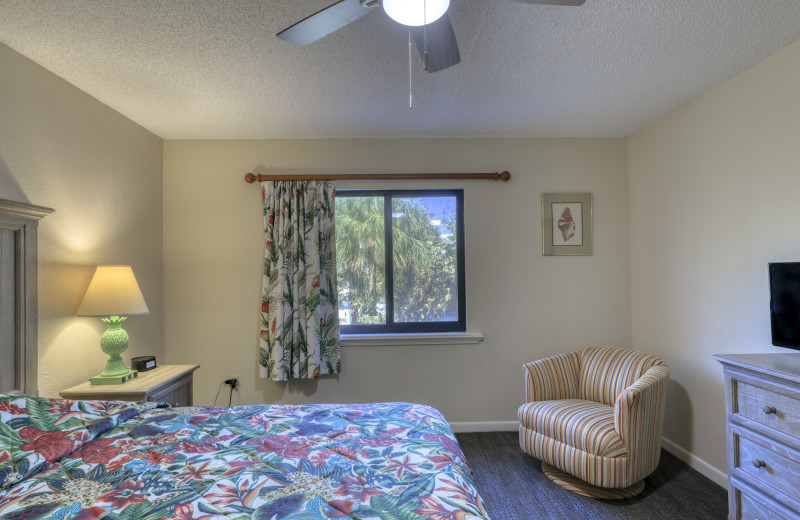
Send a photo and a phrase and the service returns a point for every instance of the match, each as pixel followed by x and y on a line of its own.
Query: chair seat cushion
pixel 584 425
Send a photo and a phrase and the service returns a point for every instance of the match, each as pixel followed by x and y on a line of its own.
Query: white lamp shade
pixel 415 12
pixel 113 291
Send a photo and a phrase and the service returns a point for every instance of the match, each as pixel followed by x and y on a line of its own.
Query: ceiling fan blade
pixel 552 2
pixel 442 46
pixel 324 22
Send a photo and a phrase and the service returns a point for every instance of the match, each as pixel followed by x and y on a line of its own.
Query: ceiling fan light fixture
pixel 415 12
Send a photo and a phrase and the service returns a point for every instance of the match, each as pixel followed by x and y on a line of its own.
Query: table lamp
pixel 113 295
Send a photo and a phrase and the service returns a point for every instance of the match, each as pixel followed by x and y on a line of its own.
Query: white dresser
pixel 762 394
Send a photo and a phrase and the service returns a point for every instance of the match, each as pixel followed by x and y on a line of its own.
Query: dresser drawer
pixel 753 506
pixel 760 459
pixel 777 411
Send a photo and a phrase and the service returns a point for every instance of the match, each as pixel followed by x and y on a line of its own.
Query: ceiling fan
pixel 433 32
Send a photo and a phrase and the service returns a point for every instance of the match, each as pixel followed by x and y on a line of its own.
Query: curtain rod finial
pixel 505 176
pixel 250 178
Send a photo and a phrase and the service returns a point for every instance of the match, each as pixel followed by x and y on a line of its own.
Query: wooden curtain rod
pixel 503 176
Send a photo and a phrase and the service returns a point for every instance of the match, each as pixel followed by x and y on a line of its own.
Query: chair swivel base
pixel 576 485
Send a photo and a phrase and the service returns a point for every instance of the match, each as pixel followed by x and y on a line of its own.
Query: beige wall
pixel 714 196
pixel 101 173
pixel 526 305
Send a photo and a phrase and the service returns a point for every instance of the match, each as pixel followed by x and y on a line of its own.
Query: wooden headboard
pixel 18 296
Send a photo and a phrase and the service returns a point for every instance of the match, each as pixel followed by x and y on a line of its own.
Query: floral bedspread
pixel 70 460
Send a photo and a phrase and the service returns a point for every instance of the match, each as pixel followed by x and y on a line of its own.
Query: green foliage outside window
pixel 360 258
pixel 424 256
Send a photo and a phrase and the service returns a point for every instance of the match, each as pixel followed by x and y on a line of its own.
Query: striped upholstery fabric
pixel 556 377
pixel 606 372
pixel 585 425
pixel 596 414
pixel 639 419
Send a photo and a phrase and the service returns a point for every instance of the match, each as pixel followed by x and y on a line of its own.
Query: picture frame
pixel 567 224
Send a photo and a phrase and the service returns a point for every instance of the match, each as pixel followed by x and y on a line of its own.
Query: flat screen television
pixel 784 289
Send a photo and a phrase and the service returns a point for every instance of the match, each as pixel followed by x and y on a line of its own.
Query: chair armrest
pixel 552 378
pixel 639 418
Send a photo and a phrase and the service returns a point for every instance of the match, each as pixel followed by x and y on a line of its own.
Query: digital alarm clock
pixel 143 363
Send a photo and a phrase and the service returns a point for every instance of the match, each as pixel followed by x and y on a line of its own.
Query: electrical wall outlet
pixel 233 382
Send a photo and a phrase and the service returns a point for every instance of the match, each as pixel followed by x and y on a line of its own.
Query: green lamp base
pixel 115 379
pixel 113 342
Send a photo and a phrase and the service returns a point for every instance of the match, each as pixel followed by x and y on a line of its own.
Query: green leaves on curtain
pixel 299 309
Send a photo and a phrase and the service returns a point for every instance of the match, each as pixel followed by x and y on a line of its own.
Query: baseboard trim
pixel 696 463
pixel 491 426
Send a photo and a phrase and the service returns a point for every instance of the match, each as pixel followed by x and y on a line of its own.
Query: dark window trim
pixel 415 327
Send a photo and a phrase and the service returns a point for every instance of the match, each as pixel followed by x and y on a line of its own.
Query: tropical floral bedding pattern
pixel 75 460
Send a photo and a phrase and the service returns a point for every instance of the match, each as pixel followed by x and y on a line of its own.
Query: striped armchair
pixel 594 418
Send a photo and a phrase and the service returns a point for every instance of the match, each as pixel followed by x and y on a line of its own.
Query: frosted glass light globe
pixel 415 12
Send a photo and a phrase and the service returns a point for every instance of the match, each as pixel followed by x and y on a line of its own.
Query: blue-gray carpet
pixel 513 487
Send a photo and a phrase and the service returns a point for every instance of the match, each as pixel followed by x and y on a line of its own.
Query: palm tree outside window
pixel 400 261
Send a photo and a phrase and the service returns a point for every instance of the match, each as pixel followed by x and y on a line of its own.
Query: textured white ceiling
pixel 213 69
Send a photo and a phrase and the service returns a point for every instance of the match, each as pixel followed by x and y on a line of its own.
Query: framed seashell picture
pixel 567 224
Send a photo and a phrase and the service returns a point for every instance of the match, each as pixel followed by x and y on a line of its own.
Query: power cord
pixel 218 391
pixel 232 382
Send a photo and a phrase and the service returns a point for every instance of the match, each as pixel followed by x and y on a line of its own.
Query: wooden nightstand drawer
pixel 168 383
pixel 177 392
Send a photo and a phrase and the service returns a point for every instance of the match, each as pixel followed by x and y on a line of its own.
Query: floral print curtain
pixel 299 309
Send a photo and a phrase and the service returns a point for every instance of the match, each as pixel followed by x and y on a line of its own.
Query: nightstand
pixel 168 383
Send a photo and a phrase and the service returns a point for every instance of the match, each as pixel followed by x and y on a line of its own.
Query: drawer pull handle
pixel 770 410
pixel 759 463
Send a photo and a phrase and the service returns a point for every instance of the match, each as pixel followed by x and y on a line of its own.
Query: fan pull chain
pixel 425 34
pixel 410 91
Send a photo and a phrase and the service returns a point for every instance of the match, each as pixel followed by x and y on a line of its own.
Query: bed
pixel 75 460
pixel 65 459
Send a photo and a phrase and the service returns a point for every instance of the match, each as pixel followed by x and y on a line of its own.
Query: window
pixel 400 261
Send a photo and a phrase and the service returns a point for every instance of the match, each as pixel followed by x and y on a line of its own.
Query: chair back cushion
pixel 606 372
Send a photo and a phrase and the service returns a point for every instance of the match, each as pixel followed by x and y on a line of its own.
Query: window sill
pixel 431 338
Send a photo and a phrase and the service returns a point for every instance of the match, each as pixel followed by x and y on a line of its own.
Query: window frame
pixel 390 327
